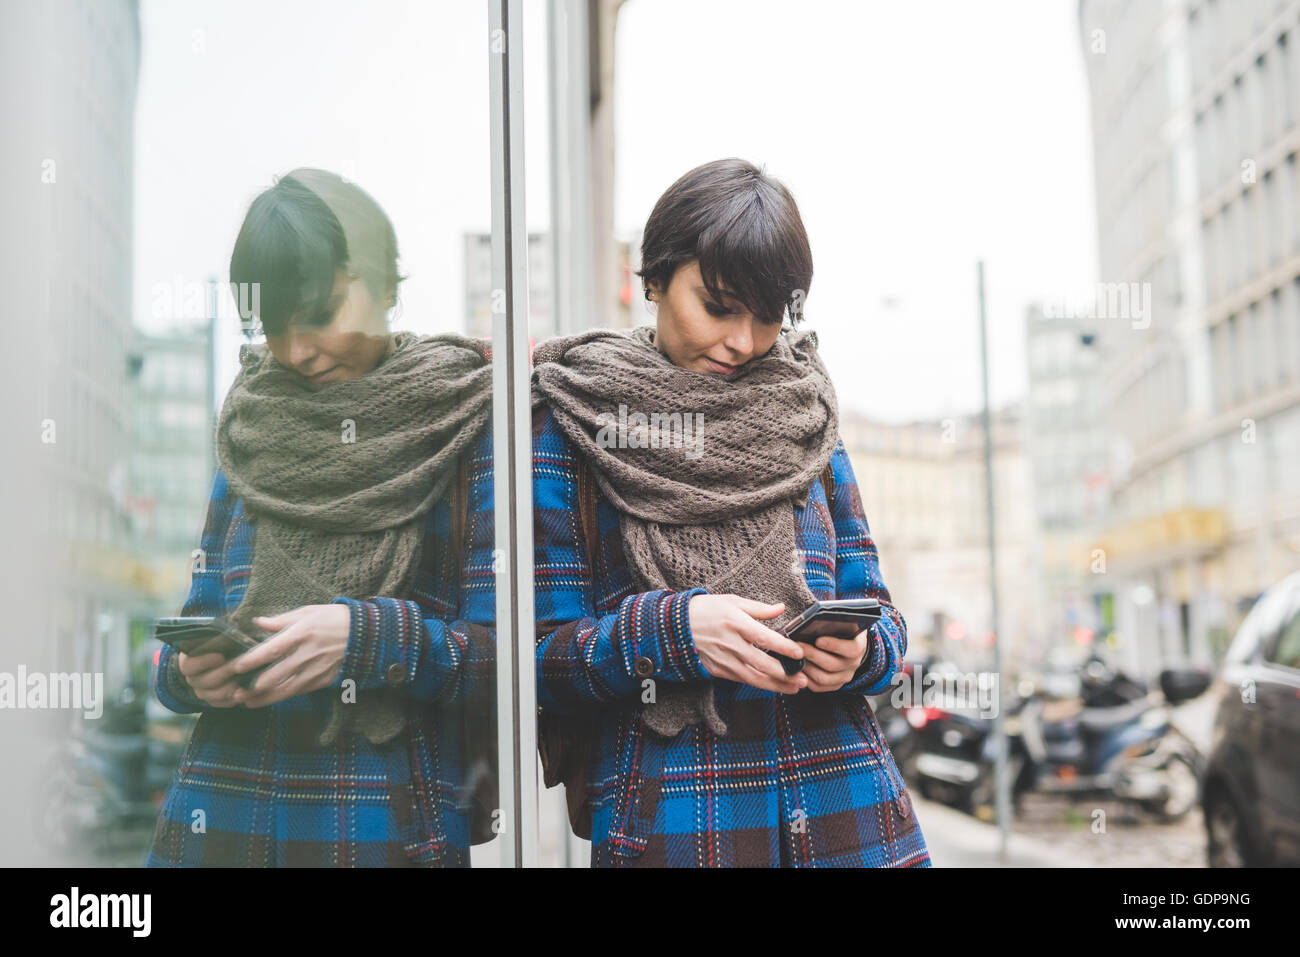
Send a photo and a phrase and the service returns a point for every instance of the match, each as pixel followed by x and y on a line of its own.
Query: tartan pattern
pixel 266 794
pixel 799 781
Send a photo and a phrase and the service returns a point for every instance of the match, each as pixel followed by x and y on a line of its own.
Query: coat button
pixel 644 667
pixel 395 674
pixel 903 804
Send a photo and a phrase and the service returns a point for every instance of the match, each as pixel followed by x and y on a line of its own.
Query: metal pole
pixel 572 286
pixel 999 734
pixel 213 399
pixel 512 442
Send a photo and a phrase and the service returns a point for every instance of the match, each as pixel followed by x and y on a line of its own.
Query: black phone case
pixel 182 632
pixel 861 612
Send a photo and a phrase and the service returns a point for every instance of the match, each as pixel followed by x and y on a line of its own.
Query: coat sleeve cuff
pixel 385 639
pixel 656 628
pixel 173 691
pixel 874 674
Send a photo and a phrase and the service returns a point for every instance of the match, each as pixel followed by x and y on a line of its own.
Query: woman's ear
pixel 653 293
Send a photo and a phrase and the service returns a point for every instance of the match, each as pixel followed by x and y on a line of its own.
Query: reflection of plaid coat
pixel 268 795
pixel 801 781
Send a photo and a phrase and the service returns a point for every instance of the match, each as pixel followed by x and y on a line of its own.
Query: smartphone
pixel 203 636
pixel 840 618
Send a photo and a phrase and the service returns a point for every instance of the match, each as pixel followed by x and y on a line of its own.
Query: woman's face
pixel 346 339
pixel 698 333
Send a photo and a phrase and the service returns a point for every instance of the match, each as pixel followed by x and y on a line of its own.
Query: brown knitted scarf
pixel 340 480
pixel 711 507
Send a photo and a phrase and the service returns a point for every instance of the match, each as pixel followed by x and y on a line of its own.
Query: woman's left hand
pixel 305 655
pixel 832 662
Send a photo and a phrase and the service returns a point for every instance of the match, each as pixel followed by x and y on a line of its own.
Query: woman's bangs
pixel 293 270
pixel 740 260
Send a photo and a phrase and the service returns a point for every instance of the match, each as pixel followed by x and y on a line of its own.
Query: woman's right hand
pixel 211 677
pixel 731 641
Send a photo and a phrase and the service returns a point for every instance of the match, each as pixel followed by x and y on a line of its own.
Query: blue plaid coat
pixel 802 780
pixel 253 788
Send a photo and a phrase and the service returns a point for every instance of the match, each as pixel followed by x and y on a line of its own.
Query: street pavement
pixel 1053 831
pixel 956 839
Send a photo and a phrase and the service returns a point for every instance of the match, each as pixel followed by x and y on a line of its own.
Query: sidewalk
pixel 959 840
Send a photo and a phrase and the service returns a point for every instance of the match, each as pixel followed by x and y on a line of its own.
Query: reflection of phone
pixel 840 618
pixel 204 636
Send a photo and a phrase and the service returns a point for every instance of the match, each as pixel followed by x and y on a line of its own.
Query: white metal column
pixel 512 442
pixel 568 44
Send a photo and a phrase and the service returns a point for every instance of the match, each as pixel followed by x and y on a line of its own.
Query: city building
pixel 478 286
pixel 1196 127
pixel 1070 463
pixel 922 486
pixel 171 464
pixel 68 186
pixel 543 322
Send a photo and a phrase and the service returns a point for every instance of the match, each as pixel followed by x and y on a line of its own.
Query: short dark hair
pixel 744 229
pixel 296 236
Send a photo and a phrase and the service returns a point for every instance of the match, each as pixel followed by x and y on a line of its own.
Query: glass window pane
pixel 269 411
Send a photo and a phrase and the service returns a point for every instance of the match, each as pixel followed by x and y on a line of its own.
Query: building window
pixel 1272 226
pixel 1264 349
pixel 1248 237
pixel 1291 322
pixel 1232 379
pixel 1291 203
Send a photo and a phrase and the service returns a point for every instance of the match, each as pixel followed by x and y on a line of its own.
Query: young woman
pixel 692 495
pixel 350 523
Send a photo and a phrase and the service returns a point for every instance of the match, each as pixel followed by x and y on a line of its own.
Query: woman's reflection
pixel 350 526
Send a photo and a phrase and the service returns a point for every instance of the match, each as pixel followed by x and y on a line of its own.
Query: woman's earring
pixel 651 306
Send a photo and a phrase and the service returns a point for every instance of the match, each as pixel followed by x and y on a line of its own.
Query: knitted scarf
pixel 339 482
pixel 704 499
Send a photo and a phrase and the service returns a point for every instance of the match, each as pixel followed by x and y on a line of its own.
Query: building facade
pixel 923 492
pixel 172 461
pixel 72 130
pixel 1196 127
pixel 1070 464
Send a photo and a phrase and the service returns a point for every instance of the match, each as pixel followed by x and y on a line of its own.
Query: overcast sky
pixel 915 137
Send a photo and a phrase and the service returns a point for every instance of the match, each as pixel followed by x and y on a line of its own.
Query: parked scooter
pixel 1117 740
pixel 107 778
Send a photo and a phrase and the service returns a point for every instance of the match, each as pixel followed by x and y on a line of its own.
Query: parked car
pixel 1251 789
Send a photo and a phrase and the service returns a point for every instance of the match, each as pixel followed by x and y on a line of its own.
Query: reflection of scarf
pixel 340 481
pixel 714 512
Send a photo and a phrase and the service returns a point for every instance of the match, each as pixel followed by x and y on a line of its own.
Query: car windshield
pixel 1263 620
